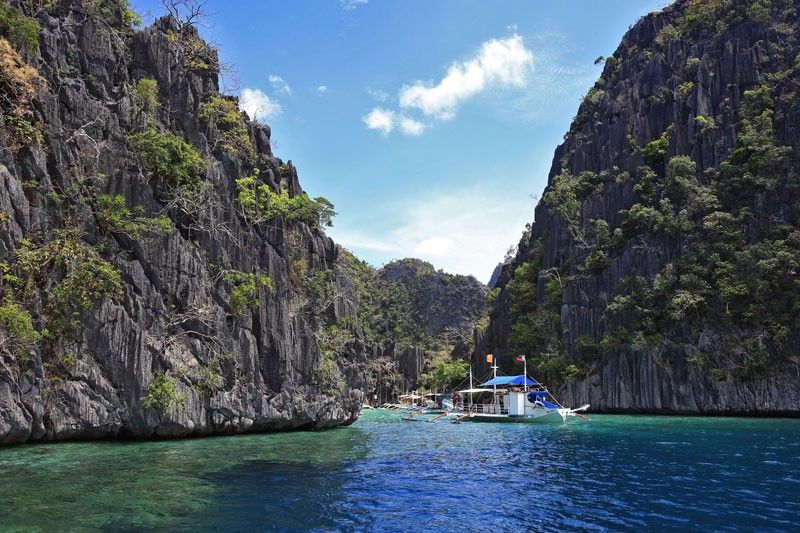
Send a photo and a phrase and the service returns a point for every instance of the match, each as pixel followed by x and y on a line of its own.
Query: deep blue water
pixel 383 474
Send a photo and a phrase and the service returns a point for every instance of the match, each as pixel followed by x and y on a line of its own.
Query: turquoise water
pixel 383 474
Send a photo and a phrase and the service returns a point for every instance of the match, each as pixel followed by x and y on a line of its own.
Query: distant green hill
pixel 408 302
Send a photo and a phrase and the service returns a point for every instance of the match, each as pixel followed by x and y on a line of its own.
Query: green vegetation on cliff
pixel 22 31
pixel 17 333
pixel 444 374
pixel 260 203
pixel 247 288
pixel 114 216
pixel 222 116
pixel 113 12
pixel 146 95
pixel 168 158
pixel 163 395
pixel 63 276
pixel 19 83
pixel 408 302
pixel 332 341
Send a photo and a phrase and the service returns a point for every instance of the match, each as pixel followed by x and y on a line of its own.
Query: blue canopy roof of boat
pixel 509 380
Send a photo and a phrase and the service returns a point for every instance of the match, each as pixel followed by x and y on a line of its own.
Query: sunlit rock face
pixel 169 353
pixel 651 282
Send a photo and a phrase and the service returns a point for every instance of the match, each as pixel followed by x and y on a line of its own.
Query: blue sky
pixel 431 125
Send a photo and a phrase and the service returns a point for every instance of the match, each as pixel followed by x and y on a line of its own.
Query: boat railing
pixel 480 408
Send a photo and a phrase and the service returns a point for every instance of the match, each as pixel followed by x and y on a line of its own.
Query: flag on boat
pixel 520 359
pixel 489 358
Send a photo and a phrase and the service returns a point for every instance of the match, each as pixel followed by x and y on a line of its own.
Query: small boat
pixel 509 399
pixel 433 404
pixel 406 402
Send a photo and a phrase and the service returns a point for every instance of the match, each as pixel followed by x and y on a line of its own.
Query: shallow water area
pixel 384 474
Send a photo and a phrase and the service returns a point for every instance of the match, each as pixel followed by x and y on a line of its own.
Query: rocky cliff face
pixel 411 314
pixel 143 295
pixel 440 307
pixel 661 273
pixel 394 370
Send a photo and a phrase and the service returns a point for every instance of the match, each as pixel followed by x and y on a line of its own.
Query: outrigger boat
pixel 434 404
pixel 428 403
pixel 510 399
pixel 408 402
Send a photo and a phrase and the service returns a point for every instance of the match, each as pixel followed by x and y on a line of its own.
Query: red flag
pixel 520 359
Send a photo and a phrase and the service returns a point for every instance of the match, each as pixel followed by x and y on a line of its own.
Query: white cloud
pixel 498 62
pixel 322 89
pixel 258 105
pixel 377 94
pixel 380 119
pixel 386 120
pixel 466 231
pixel 559 83
pixel 435 246
pixel 349 5
pixel 280 85
pixel 409 126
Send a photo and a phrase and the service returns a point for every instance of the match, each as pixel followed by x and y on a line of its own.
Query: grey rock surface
pixel 643 91
pixel 174 316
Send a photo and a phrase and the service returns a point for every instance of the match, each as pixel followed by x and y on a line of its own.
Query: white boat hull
pixel 510 404
pixel 539 415
pixel 515 406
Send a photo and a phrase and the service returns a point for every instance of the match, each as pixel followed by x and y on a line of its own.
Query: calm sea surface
pixel 383 474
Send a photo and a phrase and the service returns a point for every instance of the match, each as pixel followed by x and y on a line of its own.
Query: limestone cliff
pixel 147 292
pixel 661 273
pixel 411 314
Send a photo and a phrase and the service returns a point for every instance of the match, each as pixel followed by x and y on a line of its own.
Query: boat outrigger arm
pixel 565 412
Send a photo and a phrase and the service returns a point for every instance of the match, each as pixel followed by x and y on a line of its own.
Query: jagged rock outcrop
pixel 394 371
pixel 186 337
pixel 442 306
pixel 495 277
pixel 661 273
pixel 412 312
